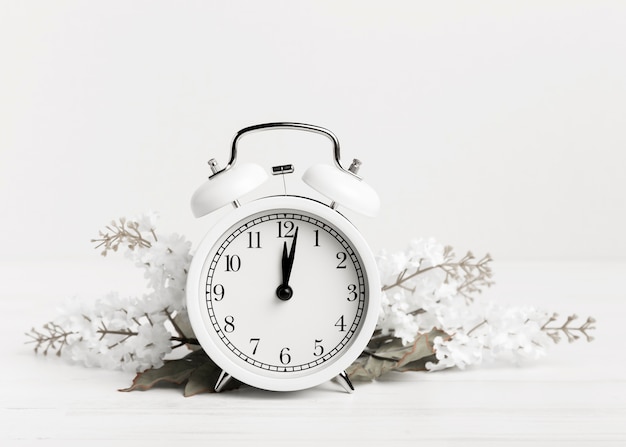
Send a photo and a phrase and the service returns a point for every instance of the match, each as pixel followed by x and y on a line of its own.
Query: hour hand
pixel 286 267
pixel 284 291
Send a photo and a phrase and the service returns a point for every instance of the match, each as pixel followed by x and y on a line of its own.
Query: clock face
pixel 284 293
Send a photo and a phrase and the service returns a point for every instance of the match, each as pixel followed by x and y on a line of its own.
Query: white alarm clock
pixel 283 292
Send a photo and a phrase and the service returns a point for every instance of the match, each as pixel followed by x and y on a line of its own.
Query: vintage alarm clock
pixel 283 292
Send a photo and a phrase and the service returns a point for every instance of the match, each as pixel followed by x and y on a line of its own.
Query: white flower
pixel 146 222
pixel 425 252
pixel 459 350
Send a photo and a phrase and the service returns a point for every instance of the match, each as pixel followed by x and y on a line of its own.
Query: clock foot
pixel 345 382
pixel 223 379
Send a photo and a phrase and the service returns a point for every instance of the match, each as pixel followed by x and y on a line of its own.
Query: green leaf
pixel 173 371
pixel 202 379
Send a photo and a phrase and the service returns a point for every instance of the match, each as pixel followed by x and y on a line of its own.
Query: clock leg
pixel 223 379
pixel 345 382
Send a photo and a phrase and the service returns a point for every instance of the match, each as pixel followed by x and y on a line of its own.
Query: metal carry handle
pixel 287 125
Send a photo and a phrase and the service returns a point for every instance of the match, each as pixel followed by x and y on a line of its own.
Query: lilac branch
pixel 570 332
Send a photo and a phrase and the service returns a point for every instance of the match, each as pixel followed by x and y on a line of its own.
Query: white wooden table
pixel 574 397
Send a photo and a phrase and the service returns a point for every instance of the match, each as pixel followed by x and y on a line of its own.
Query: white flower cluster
pixel 420 295
pixel 425 291
pixel 510 334
pixel 165 266
pixel 131 333
pixel 114 333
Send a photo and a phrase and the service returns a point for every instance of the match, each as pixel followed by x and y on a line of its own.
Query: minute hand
pixel 288 260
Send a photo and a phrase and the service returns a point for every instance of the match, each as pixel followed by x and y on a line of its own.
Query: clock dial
pixel 285 292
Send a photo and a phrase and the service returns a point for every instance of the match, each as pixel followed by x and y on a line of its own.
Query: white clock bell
pixel 283 293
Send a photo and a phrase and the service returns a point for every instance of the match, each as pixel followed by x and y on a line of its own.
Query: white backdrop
pixel 495 126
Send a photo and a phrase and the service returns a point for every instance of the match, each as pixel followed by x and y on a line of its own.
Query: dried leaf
pixel 368 368
pixel 391 355
pixel 395 350
pixel 417 365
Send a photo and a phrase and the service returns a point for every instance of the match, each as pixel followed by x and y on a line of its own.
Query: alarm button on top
pixel 343 188
pixel 226 187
